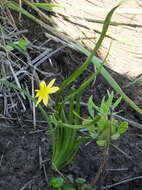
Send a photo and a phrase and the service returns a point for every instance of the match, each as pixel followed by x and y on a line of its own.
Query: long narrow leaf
pixel 47 5
pixel 79 71
pixel 96 61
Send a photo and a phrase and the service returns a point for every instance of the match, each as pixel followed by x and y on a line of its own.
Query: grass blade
pixel 79 71
pixel 97 62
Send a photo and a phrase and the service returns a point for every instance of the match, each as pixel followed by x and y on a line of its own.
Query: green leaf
pixel 110 98
pixel 114 127
pixel 69 187
pixel 122 128
pixel 81 118
pixel 56 182
pixel 90 107
pixel 9 47
pixel 90 122
pixel 96 61
pixel 53 120
pixel 83 67
pixel 80 180
pixel 117 102
pixel 104 109
pixel 93 134
pixel 83 139
pixel 87 121
pixel 47 5
pixel 115 136
pixel 21 44
pixel 60 124
pixel 90 129
pixel 102 142
pixel 71 109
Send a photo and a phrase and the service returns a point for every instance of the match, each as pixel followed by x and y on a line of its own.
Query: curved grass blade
pixel 82 68
pixel 97 62
pixel 47 5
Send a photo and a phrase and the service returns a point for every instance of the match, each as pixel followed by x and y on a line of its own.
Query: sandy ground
pixel 126 52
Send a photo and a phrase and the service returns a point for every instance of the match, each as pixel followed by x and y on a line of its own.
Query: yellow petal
pixel 44 90
pixel 45 100
pixel 51 83
pixel 42 85
pixel 37 95
pixel 39 100
pixel 53 89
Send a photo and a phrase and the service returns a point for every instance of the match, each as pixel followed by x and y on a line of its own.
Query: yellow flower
pixel 44 91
